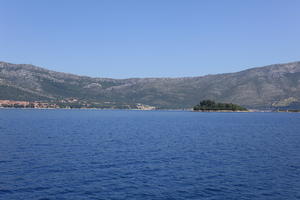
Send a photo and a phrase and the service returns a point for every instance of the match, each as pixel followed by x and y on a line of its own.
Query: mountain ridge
pixel 179 77
pixel 259 87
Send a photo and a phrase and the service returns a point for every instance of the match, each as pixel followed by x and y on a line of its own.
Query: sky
pixel 149 38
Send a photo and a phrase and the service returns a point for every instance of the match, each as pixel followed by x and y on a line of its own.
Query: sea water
pixel 109 154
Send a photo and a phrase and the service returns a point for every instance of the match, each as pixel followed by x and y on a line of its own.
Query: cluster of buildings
pixel 66 103
pixel 144 107
pixel 25 104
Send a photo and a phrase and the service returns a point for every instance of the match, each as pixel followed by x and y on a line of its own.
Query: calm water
pixel 79 154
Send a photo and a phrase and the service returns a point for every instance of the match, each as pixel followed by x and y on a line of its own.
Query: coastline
pixel 173 110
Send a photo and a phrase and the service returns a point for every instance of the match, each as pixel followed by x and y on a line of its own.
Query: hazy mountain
pixel 263 87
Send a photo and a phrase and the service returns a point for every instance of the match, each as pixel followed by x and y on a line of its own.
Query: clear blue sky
pixel 149 38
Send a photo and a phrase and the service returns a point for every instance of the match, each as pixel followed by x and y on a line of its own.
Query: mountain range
pixel 268 87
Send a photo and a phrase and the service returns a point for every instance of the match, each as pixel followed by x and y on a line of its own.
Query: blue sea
pixel 111 154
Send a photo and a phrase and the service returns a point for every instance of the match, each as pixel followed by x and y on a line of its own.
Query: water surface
pixel 94 154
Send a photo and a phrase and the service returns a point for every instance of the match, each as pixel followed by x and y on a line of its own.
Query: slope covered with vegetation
pixel 264 87
pixel 209 105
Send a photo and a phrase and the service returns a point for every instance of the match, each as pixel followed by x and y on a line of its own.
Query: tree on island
pixel 209 105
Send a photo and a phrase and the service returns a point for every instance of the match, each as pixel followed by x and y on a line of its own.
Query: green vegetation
pixel 254 88
pixel 14 93
pixel 209 105
pixel 94 105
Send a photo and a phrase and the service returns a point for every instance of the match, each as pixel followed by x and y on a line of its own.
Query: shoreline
pixel 183 110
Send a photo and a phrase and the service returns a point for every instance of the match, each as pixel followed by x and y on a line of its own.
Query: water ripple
pixel 148 155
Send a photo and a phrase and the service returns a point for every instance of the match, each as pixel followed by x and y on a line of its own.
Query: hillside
pixel 264 87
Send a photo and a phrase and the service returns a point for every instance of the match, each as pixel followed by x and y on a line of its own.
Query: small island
pixel 209 106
